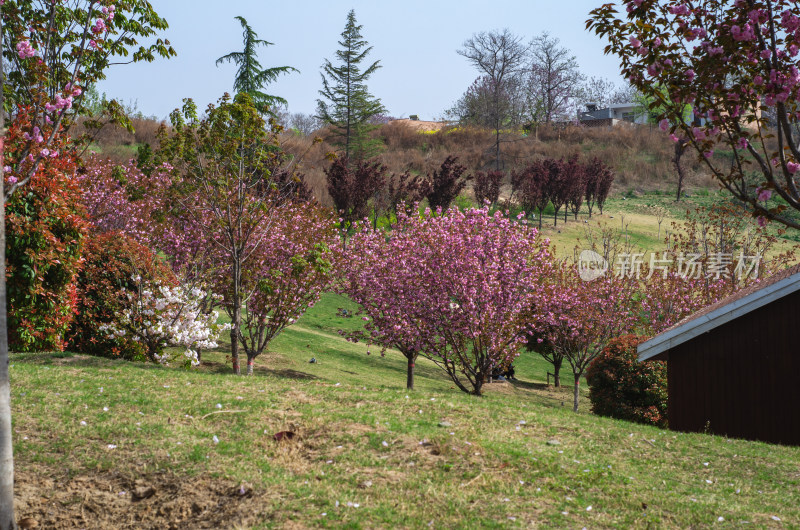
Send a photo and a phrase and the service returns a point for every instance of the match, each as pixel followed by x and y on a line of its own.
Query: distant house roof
pixel 730 308
pixel 598 114
pixel 593 113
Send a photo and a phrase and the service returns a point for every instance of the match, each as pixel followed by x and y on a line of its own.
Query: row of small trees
pixel 363 189
pixel 366 189
pixel 469 290
pixel 562 183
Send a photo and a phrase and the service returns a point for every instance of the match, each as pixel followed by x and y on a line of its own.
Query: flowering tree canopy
pixel 450 287
pixel 229 178
pixel 577 318
pixel 49 80
pixel 736 64
pixel 287 274
pixel 161 315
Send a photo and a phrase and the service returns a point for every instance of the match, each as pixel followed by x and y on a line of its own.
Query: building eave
pixel 661 344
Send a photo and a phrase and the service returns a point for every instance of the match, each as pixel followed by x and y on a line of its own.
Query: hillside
pixel 641 156
pixel 93 449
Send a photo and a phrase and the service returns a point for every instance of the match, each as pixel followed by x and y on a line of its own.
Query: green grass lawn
pixel 102 443
pixel 632 215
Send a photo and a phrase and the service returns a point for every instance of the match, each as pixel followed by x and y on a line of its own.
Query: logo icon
pixel 591 265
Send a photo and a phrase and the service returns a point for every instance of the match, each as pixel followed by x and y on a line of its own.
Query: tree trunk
pixel 576 392
pixel 555 217
pixel 557 372
pixel 152 350
pixel 235 321
pixel 679 149
pixel 566 213
pixel 497 150
pixel 410 376
pixel 236 314
pixel 6 448
pixel 250 363
pixel 540 219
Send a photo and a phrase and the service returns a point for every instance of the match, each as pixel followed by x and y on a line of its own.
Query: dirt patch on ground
pixel 114 500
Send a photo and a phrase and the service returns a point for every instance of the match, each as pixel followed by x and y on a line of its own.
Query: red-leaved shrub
pixel 104 282
pixel 45 228
pixel 622 387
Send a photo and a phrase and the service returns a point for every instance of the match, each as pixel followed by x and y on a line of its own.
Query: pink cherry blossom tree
pixel 450 287
pixel 736 63
pixel 577 318
pixel 226 163
pixel 291 268
pixel 291 248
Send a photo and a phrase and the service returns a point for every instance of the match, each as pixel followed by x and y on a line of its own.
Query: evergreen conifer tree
pixel 250 77
pixel 347 104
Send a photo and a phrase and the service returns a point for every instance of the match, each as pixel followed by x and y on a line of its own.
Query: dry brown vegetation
pixel 116 142
pixel 640 155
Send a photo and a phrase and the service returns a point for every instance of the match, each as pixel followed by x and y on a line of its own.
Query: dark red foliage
pixel 622 387
pixel 599 179
pixel 562 185
pixel 404 188
pixel 575 173
pixel 45 228
pixel 487 186
pixel 447 183
pixel 352 188
pixel 530 187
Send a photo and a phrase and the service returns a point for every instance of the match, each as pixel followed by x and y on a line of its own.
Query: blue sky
pixel 415 41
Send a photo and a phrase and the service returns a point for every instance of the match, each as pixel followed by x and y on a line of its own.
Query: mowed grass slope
pixel 101 443
pixel 633 219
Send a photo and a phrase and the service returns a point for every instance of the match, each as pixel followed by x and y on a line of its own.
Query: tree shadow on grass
pixel 66 359
pixel 529 385
pixel 549 395
pixel 80 360
pixel 212 367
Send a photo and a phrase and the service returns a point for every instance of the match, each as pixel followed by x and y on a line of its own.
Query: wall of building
pixel 741 379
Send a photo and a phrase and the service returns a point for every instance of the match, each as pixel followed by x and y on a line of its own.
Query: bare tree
pixel 554 80
pixel 304 124
pixel 500 57
pixel 604 92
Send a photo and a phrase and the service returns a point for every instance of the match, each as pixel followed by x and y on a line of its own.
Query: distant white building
pixel 613 115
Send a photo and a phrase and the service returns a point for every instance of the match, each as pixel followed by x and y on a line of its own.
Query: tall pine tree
pixel 250 77
pixel 347 105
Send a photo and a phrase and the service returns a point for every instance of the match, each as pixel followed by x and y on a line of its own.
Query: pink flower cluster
pixel 99 26
pixel 25 50
pixel 59 104
pixel 733 65
pixel 35 136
